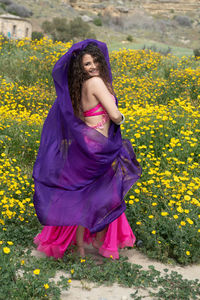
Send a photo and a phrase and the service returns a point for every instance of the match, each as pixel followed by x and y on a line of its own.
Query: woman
pixel 84 168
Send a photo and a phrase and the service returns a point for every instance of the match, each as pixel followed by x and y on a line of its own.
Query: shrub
pixel 47 26
pixel 129 38
pixel 79 29
pixel 36 35
pixel 197 53
pixel 183 20
pixel 6 2
pixel 97 22
pixel 61 31
pixel 58 28
pixel 19 10
pixel 155 49
pixel 60 24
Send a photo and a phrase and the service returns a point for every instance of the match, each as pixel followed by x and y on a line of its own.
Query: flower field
pixel 160 99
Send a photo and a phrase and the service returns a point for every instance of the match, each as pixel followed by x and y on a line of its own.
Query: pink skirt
pixel 54 240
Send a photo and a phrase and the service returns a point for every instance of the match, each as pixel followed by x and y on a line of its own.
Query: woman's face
pixel 90 65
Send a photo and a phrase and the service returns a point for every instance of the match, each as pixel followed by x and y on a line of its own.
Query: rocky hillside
pixel 164 7
pixel 128 6
pixel 171 22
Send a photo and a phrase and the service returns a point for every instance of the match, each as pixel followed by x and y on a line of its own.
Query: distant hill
pixel 172 22
pixel 152 6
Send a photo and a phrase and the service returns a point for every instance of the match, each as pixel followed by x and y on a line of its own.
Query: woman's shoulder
pixel 94 81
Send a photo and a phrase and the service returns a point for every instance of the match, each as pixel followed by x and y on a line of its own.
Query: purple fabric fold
pixel 80 176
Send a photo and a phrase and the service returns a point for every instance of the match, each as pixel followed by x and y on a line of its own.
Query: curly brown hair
pixel 77 75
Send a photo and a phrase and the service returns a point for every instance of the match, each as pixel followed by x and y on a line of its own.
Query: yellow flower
pixel 46 286
pixel 10 243
pixel 72 271
pixel 130 202
pixel 111 256
pixel 175 217
pixel 22 262
pixel 189 192
pixel 69 281
pixel 154 204
pixel 151 217
pixel 6 250
pixel 1 242
pixel 187 197
pixel 138 223
pixel 183 223
pixel 187 252
pixel 153 232
pixel 36 271
pixel 82 260
pixel 164 213
pixel 179 209
pixel 189 221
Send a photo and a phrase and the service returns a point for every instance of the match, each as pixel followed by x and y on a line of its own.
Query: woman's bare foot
pixel 81 251
pixel 97 244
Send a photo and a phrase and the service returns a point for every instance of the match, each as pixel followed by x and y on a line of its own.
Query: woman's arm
pixel 98 88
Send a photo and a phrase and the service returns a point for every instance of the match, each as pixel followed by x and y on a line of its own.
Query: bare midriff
pixel 98 118
pixel 96 123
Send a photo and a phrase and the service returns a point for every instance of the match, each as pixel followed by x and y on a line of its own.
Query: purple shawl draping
pixel 80 176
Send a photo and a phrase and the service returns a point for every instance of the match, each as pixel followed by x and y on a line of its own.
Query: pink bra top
pixel 93 112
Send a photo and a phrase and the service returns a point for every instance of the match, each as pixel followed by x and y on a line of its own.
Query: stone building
pixel 15 27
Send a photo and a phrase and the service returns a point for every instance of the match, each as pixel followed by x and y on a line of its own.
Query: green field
pixel 159 96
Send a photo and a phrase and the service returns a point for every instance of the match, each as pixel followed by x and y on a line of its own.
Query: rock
pixel 99 6
pixel 122 9
pixel 184 41
pixel 86 18
pixel 183 20
pixel 111 11
pixel 139 243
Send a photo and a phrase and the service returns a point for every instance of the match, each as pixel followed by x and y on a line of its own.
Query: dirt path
pixel 82 290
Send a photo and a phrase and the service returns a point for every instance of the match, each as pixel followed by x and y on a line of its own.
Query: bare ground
pixel 83 290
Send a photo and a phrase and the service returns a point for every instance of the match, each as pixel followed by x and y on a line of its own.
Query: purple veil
pixel 80 176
